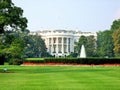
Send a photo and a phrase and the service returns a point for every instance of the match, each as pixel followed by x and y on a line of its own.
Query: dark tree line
pixel 35 46
pixel 90 45
pixel 106 45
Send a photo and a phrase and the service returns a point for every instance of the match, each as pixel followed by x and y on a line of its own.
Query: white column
pixel 67 45
pixel 49 45
pixel 62 45
pixel 48 49
pixel 56 44
pixel 52 44
pixel 69 40
pixel 72 45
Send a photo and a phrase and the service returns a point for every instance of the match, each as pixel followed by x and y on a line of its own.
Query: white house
pixel 60 43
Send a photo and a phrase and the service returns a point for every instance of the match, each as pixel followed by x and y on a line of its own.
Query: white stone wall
pixel 60 43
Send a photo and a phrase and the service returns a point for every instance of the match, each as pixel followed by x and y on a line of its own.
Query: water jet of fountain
pixel 82 53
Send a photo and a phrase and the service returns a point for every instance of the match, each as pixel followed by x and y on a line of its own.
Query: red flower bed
pixel 54 64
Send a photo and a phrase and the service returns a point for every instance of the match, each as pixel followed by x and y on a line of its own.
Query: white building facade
pixel 60 43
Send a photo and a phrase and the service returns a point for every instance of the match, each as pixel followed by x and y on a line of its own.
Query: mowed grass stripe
pixel 60 78
pixel 88 79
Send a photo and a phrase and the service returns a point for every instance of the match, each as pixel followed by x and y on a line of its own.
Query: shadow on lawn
pixel 51 70
pixel 65 70
pixel 87 70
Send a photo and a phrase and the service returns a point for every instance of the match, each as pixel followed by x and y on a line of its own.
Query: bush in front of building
pixel 34 60
pixel 15 61
pixel 61 60
pixel 95 61
pixel 73 54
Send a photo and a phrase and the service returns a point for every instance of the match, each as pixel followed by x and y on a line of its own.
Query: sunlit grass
pixel 60 78
pixel 34 59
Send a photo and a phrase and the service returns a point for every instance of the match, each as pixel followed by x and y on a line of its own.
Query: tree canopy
pixel 116 39
pixel 116 36
pixel 108 41
pixel 105 44
pixel 12 23
pixel 90 45
pixel 11 17
pixel 115 25
pixel 35 46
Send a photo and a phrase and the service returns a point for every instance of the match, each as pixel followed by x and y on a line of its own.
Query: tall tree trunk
pixel 2 59
pixel 1 29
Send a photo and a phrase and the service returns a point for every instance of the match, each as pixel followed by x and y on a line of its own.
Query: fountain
pixel 82 53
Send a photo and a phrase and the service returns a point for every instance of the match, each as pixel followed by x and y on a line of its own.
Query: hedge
pixel 95 61
pixel 15 61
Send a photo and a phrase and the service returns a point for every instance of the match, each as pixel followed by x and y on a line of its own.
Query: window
pixel 54 40
pixel 65 40
pixel 49 48
pixel 59 49
pixel 65 47
pixel 49 40
pixel 68 40
pixel 68 48
pixel 59 40
pixel 54 48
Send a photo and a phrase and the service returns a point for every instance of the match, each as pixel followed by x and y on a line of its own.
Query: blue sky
pixel 84 15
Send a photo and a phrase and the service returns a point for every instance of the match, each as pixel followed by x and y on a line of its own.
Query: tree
pixel 35 46
pixel 116 39
pixel 90 45
pixel 105 44
pixel 115 25
pixel 73 54
pixel 115 28
pixel 82 41
pixel 11 17
pixel 12 22
pixel 13 46
pixel 2 46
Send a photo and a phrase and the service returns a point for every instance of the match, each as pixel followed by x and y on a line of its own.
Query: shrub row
pixel 15 61
pixel 95 61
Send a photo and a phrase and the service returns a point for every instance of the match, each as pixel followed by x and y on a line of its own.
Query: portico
pixel 60 46
pixel 60 43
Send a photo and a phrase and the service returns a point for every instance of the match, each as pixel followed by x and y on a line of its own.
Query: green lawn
pixel 60 78
pixel 34 58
